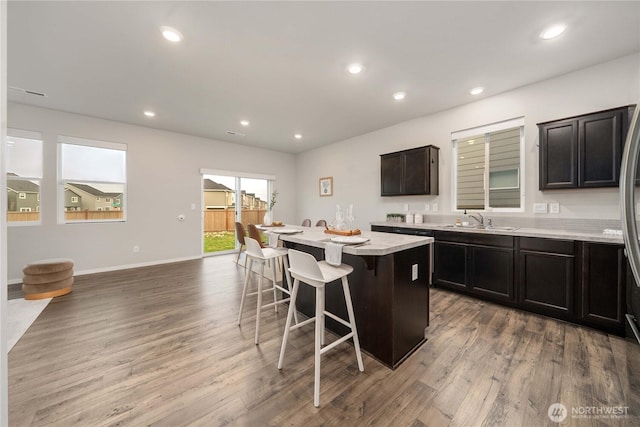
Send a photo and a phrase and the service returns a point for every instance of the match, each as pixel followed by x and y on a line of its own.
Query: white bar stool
pixel 305 268
pixel 263 256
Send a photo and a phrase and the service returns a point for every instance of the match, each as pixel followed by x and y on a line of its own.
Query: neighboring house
pixel 72 200
pixel 22 195
pixel 92 199
pixel 217 196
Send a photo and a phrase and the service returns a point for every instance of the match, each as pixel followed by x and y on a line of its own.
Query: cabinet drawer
pixel 565 247
pixel 475 238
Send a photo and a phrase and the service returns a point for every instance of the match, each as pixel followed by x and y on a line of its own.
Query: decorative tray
pixel 354 232
pixel 271 225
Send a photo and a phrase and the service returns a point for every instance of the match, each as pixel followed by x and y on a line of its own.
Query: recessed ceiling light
pixel 399 96
pixel 297 136
pixel 476 91
pixel 244 122
pixel 149 113
pixel 553 31
pixel 355 68
pixel 171 34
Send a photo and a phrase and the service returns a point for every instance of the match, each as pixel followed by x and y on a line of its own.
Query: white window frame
pixel 74 199
pixel 484 130
pixel 25 209
pixel 87 142
pixel 22 196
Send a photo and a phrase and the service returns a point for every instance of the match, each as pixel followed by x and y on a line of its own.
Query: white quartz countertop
pixel 524 232
pixel 378 244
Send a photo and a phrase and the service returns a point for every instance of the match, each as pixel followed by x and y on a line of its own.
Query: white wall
pixel 163 181
pixel 355 164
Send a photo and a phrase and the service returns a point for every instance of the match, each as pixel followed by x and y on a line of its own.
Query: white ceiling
pixel 282 65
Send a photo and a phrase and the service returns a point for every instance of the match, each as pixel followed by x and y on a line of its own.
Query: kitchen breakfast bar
pixel 389 287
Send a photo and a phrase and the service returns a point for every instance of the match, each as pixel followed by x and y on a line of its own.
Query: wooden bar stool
pixel 263 256
pixel 305 268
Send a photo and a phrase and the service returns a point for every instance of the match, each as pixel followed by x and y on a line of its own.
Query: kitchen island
pixel 389 287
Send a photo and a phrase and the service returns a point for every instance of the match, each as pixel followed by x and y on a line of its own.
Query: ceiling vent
pixel 28 92
pixel 230 132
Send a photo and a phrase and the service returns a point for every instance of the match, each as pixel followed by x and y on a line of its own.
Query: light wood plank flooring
pixel 160 346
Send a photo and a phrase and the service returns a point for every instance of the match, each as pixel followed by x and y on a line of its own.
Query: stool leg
pixel 352 320
pixel 275 280
pixel 259 307
pixel 247 275
pixel 287 326
pixel 318 345
pixel 322 316
pixel 287 274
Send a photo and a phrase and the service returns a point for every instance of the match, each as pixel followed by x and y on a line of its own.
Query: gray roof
pixel 92 190
pixel 212 185
pixel 20 185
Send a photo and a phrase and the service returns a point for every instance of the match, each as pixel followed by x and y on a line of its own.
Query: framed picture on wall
pixel 326 186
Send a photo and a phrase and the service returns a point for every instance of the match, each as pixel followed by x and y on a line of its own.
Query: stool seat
pixel 305 269
pixel 47 278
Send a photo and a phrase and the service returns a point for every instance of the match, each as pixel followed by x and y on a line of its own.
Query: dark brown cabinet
pixel 602 290
pixel 475 263
pixel 583 151
pixel 409 172
pixel 546 283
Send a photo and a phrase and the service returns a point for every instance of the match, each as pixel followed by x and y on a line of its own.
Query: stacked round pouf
pixel 47 278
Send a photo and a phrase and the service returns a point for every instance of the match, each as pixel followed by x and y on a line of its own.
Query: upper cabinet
pixel 409 172
pixel 583 151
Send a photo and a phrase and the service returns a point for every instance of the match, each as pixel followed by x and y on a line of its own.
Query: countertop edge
pixel 521 232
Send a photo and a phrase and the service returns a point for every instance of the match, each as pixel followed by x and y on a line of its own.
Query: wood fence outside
pixel 225 219
pixel 69 216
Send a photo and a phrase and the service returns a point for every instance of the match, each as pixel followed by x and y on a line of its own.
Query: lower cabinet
pixel 547 276
pixel 475 263
pixel 601 299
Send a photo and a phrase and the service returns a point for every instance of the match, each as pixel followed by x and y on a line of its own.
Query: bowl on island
pixel 276 223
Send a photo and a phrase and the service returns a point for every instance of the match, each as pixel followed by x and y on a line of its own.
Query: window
pixel 488 167
pixel 24 173
pixel 91 171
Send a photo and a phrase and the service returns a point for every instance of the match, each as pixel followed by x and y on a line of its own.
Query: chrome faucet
pixel 479 218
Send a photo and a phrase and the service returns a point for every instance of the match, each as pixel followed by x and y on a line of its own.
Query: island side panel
pixel 411 301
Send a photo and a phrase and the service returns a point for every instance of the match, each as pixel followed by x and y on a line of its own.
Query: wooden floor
pixel 160 346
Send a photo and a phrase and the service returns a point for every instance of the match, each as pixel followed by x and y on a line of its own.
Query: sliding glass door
pixel 227 199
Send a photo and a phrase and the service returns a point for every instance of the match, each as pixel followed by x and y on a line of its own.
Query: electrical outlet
pixel 434 207
pixel 414 272
pixel 193 206
pixel 539 208
pixel 406 207
pixel 554 208
pixel 427 207
pixel 136 249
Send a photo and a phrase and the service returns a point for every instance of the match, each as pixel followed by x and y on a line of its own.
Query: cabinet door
pixel 416 175
pixel 600 145
pixel 491 272
pixel 391 174
pixel 559 155
pixel 450 263
pixel 546 283
pixel 603 285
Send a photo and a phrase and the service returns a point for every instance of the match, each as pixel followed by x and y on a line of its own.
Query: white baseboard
pixel 119 267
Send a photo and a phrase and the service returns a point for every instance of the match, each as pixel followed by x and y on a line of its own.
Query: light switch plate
pixel 539 208
pixel 414 272
pixel 434 207
pixel 554 208
pixel 427 207
pixel 406 206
